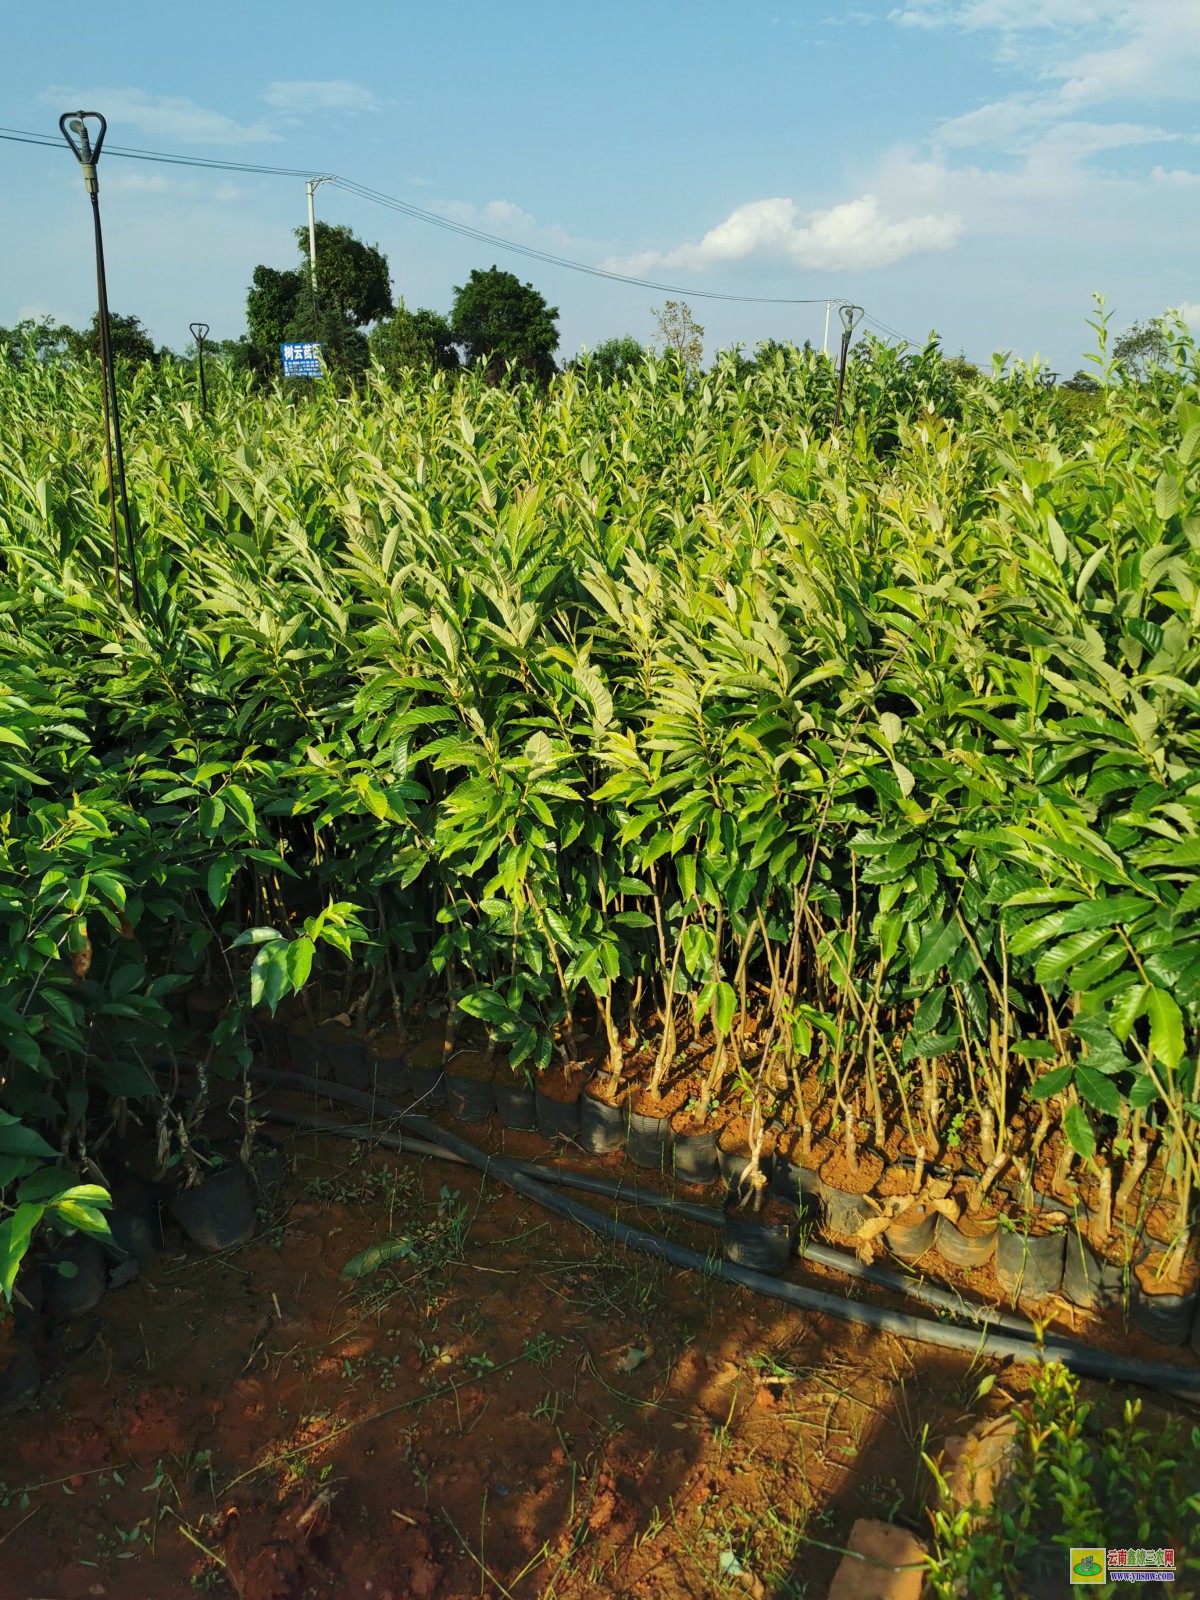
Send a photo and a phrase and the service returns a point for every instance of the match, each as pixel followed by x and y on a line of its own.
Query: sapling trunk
pixel 978 1192
pixel 616 1059
pixel 1136 1163
pixel 1102 1225
pixel 666 1044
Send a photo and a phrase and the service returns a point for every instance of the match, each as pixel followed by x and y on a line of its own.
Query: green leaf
pixel 1166 1028
pixel 1054 964
pixel 1099 1092
pixel 1144 1092
pixel 376 1256
pixel 86 1218
pixel 936 949
pixel 724 1007
pixel 1052 1083
pixel 212 814
pixel 15 1233
pixel 220 876
pixel 1078 1131
pixel 18 1140
pixel 1168 495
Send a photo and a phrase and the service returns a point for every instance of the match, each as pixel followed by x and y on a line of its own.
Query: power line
pixel 420 214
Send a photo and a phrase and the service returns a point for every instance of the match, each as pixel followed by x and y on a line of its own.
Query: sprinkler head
pixel 198 331
pixel 851 316
pixel 87 155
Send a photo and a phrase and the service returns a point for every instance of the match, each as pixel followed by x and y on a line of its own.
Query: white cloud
pixel 169 117
pixel 1189 310
pixel 1096 51
pixel 851 236
pixel 320 94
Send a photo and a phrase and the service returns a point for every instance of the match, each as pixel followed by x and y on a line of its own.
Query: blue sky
pixel 976 166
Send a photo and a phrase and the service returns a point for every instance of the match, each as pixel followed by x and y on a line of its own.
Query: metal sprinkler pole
pixel 851 316
pixel 87 156
pixel 312 185
pixel 199 332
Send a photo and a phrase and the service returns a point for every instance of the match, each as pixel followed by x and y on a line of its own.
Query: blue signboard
pixel 302 361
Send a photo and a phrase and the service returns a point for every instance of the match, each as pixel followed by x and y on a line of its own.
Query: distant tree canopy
pixel 128 339
pixel 47 340
pixel 352 277
pixel 414 341
pixel 1141 347
pixel 353 289
pixel 499 320
pixel 615 360
pixel 1081 383
pixel 681 335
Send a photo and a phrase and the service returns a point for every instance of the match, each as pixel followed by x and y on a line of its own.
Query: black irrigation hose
pixel 706 1216
pixel 1078 1357
pixel 820 1255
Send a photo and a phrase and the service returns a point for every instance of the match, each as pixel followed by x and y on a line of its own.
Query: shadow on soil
pixel 507 1407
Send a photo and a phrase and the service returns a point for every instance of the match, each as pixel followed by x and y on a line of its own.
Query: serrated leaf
pixel 1052 1082
pixel 1166 1027
pixel 1078 1131
pixel 1099 1092
pixel 936 949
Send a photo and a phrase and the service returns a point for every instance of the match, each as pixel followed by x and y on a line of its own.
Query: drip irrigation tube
pixel 1078 1357
pixel 707 1216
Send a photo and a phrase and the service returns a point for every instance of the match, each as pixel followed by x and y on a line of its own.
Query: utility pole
pixel 825 344
pixel 312 185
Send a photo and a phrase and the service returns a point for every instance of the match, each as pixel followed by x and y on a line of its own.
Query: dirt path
pixel 513 1409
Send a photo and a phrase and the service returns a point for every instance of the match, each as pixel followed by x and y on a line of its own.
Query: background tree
pixel 498 320
pixel 129 339
pixel 414 341
pixel 614 360
pixel 353 289
pixel 35 340
pixel 272 304
pixel 1141 347
pixel 1082 383
pixel 680 333
pixel 352 278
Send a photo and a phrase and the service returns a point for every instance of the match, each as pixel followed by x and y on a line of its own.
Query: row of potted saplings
pixel 1040 1249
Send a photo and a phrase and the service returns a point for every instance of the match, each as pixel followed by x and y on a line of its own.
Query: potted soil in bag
pixel 342 1053
pixel 970 1240
pixel 733 1152
pixel 515 1099
pixel 1030 1252
pixel 426 1077
pixel 213 1200
pixel 761 1230
pixel 648 1142
pixel 694 1145
pixel 470 1086
pixel 793 1175
pixel 848 1179
pixel 1165 1297
pixel 388 1064
pixel 556 1100
pixel 603 1115
pixel 1096 1270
